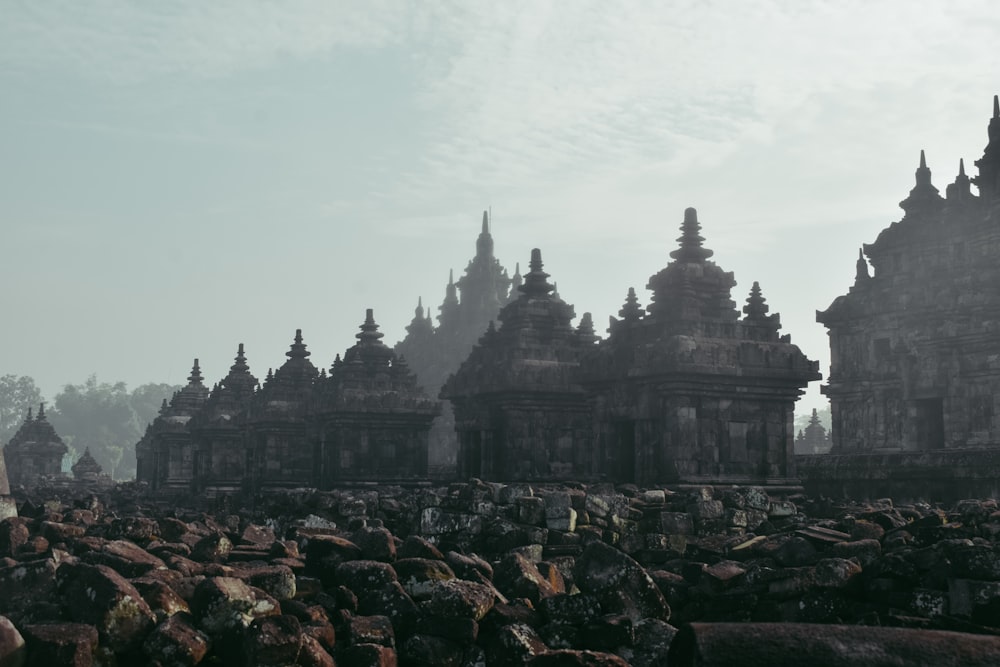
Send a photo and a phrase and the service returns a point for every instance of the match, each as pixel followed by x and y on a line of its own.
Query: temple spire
pixel 631 311
pixel 535 282
pixel 861 268
pixel 923 194
pixel 691 249
pixel 484 244
pixel 241 362
pixel 369 334
pixel 195 377
pixel 298 349
pixel 996 106
pixel 41 412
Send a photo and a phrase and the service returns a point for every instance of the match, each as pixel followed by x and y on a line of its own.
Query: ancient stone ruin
pixel 689 391
pixel 35 453
pixel 367 420
pixel 914 373
pixel 434 353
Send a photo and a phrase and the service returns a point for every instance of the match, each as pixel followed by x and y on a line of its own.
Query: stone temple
pixel 366 420
pixel 914 381
pixel 35 453
pixel 435 352
pixel 914 355
pixel 692 390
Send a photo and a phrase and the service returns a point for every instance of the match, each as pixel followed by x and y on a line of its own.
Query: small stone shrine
pixel 35 453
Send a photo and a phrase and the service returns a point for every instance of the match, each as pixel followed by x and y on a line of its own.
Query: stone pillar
pixel 7 506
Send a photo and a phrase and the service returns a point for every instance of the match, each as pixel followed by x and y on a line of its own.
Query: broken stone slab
pixel 460 599
pixel 375 629
pixel 517 577
pixel 370 655
pixel 98 595
pixel 12 647
pixel 418 576
pixel 273 640
pixel 69 644
pixel 711 644
pixel 576 658
pixel 437 521
pixel 176 642
pixel 620 583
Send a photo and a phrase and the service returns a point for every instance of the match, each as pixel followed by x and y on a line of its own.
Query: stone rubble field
pixel 480 574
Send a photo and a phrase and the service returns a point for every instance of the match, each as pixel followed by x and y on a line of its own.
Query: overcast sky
pixel 177 178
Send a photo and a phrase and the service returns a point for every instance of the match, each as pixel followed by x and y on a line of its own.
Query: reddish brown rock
pixel 517 577
pixel 274 640
pixel 12 648
pixel 176 642
pixel 369 655
pixel 65 644
pixel 98 595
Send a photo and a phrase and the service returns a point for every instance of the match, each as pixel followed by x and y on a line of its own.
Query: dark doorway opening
pixel 930 423
pixel 625 446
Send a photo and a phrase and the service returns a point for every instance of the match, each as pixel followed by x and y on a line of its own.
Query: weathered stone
pixel 620 583
pixel 371 630
pixel 98 595
pixel 835 572
pixel 652 641
pixel 372 655
pixel 69 644
pixel 212 548
pixel 224 606
pixel 573 610
pixel 25 582
pixel 12 648
pixel 13 533
pixel 277 580
pixel 134 528
pixel 469 566
pixel 516 576
pixel 866 551
pixel 415 546
pixel 419 575
pixel 161 598
pixel 436 521
pixel 376 544
pixel 514 645
pixel 460 599
pixel 575 658
pixel 124 557
pixel 531 510
pixel 176 642
pixel 273 640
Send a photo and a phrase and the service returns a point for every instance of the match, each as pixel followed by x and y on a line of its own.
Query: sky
pixel 177 178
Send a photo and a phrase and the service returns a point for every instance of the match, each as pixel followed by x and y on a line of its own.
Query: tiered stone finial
pixel 298 348
pixel 369 334
pixel 756 308
pixel 195 378
pixel 536 281
pixel 631 311
pixel 41 412
pixel 585 330
pixel 691 249
pixel 241 362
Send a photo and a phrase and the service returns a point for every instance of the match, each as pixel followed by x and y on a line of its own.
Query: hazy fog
pixel 176 178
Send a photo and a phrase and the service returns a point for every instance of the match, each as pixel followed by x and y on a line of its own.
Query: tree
pixel 147 398
pixel 108 419
pixel 17 394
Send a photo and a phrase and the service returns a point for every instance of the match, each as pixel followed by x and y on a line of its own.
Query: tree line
pixel 104 416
